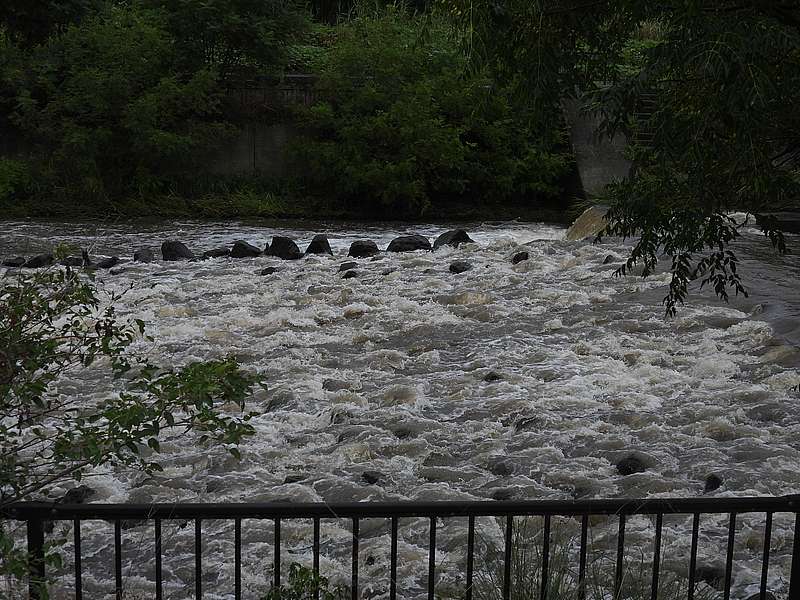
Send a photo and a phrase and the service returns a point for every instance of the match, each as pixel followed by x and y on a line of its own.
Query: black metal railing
pixel 37 515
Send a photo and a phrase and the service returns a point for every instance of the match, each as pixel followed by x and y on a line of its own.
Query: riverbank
pixel 247 205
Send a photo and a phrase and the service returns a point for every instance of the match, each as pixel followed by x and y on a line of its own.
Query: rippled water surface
pixel 386 374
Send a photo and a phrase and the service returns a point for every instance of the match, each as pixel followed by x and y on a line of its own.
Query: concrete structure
pixel 600 160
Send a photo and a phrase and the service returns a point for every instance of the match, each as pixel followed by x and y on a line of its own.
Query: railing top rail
pixel 365 510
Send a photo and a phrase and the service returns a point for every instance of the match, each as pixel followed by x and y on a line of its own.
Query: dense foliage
pixel 55 326
pixel 724 134
pixel 400 125
pixel 124 106
pixel 117 100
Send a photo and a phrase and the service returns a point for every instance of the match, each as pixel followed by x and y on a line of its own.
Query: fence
pixel 37 515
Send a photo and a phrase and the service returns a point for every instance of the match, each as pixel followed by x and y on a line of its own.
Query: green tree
pixel 726 136
pixel 54 325
pixel 400 125
pixel 31 22
pixel 226 35
pixel 111 112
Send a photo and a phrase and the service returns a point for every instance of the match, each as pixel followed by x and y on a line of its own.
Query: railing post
pixel 794 578
pixel 36 572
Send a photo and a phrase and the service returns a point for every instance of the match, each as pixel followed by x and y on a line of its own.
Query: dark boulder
pixel 713 482
pixel 520 257
pixel 293 478
pixel 175 250
pixel 503 494
pixel 37 262
pixel 285 248
pixel 609 259
pixel 270 271
pixel 220 252
pixel 363 249
pixel 491 377
pixel 347 266
pixel 14 261
pixel 71 261
pixel 106 263
pixel 409 243
pixel 630 465
pixel 453 238
pixel 319 245
pixel 713 575
pixel 77 495
pixel 460 266
pixel 144 255
pixel 350 275
pixel 244 250
pixel 373 477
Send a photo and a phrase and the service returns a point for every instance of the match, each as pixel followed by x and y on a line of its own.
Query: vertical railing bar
pixel 729 558
pixel 583 552
pixel 393 562
pixel 198 559
pixel 76 530
pixel 794 578
pixel 316 557
pixel 470 555
pixel 237 559
pixel 118 558
pixel 765 556
pixel 620 557
pixel 693 554
pixel 657 556
pixel 354 577
pixel 36 564
pixel 432 559
pixel 159 580
pixel 277 564
pixel 507 559
pixel 545 557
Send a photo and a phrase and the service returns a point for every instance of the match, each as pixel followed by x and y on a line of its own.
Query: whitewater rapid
pixel 386 373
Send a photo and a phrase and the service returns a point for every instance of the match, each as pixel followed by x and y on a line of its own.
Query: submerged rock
pixel 285 248
pixel 713 482
pixel 453 238
pixel 77 495
pixel 350 275
pixel 174 250
pixel 460 266
pixel 217 253
pixel 14 261
pixel 40 261
pixel 347 266
pixel 630 465
pixel 520 257
pixel 71 261
pixel 713 575
pixel 373 477
pixel 363 249
pixel 106 263
pixel 242 249
pixel 491 377
pixel 144 255
pixel 409 243
pixel 270 271
pixel 319 245
pixel 609 259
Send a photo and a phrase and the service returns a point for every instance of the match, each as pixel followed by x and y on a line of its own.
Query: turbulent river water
pixel 386 373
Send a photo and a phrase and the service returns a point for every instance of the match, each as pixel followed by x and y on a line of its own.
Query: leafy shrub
pixel 14 179
pixel 401 124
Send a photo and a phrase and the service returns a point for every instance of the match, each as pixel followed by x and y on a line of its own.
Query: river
pixel 386 374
